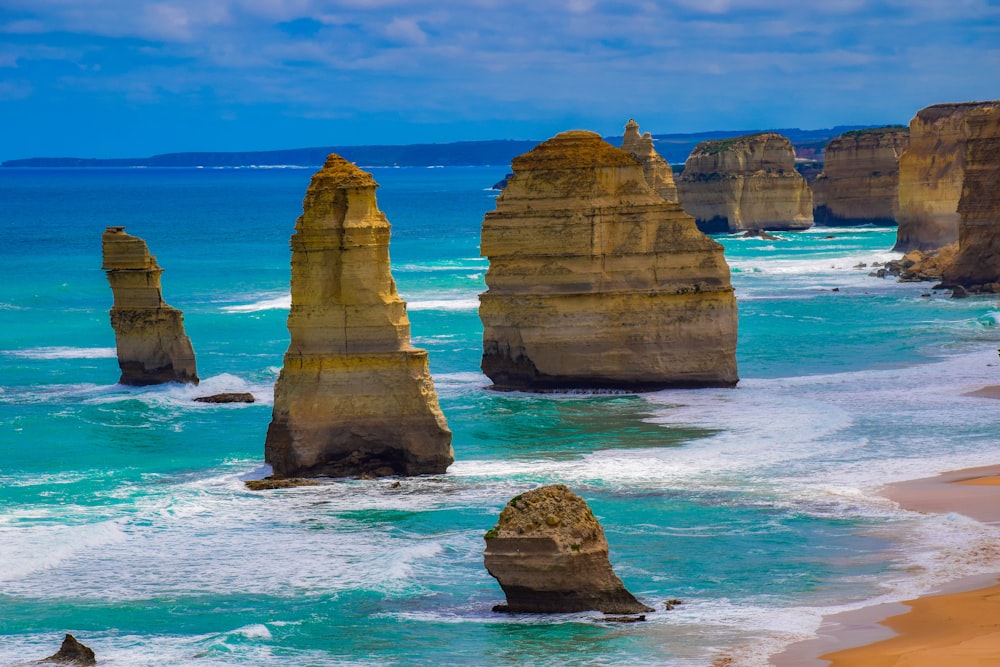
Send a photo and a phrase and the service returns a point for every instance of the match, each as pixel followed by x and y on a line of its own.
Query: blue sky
pixel 117 78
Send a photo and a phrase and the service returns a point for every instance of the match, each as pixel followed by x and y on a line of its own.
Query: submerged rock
pixel 549 555
pixel 270 483
pixel 232 397
pixel 353 397
pixel 149 334
pixel 595 281
pixel 659 175
pixel 748 182
pixel 72 652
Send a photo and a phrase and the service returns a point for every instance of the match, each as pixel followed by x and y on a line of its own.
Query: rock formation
pixel 657 171
pixel 149 334
pixel 227 397
pixel 549 555
pixel 596 282
pixel 747 182
pixel 353 396
pixel 72 652
pixel 931 174
pixel 859 183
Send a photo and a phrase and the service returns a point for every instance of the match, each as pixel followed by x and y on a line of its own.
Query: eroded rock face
pixel 860 179
pixel 149 334
pixel 977 265
pixel 595 281
pixel 657 171
pixel 72 652
pixel 931 176
pixel 354 397
pixel 549 555
pixel 747 182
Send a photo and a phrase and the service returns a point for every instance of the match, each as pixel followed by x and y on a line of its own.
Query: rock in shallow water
pixel 233 397
pixel 72 652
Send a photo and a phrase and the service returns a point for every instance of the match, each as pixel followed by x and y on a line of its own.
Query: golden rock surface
pixel 595 281
pixel 354 397
pixel 657 170
pixel 149 335
pixel 745 183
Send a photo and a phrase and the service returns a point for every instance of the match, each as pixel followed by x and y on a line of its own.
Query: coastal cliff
pixel 745 183
pixel 595 281
pixel 860 179
pixel 657 171
pixel 931 174
pixel 353 396
pixel 149 335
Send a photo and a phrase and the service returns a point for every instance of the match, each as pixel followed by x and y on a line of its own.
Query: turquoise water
pixel 124 520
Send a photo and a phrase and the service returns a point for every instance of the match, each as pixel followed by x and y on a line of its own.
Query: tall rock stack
pixel 657 171
pixel 353 397
pixel 745 183
pixel 149 334
pixel 595 281
pixel 931 174
pixel 860 179
pixel 977 265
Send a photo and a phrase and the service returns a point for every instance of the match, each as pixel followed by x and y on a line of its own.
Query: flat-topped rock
pixel 659 175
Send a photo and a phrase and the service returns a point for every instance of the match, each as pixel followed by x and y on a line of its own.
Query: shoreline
pixel 953 622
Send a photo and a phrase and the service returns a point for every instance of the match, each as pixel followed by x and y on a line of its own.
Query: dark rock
pixel 73 652
pixel 269 483
pixel 624 619
pixel 233 397
pixel 500 185
pixel 959 292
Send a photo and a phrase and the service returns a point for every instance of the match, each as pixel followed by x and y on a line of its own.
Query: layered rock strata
pixel 659 175
pixel 353 397
pixel 747 182
pixel 595 281
pixel 549 555
pixel 860 179
pixel 149 334
pixel 977 265
pixel 931 176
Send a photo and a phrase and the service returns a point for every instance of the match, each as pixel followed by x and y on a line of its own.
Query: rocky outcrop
pixel 859 183
pixel 747 182
pixel 353 396
pixel 72 652
pixel 149 334
pixel 228 397
pixel 595 281
pixel 657 171
pixel 931 176
pixel 549 555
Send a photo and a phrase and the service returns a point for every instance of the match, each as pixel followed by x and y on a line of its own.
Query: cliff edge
pixel 659 175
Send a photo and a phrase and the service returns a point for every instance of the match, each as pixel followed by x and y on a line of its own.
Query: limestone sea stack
pixel 149 334
pixel 353 397
pixel 595 281
pixel 977 266
pixel 549 555
pixel 931 174
pixel 743 183
pixel 659 175
pixel 860 179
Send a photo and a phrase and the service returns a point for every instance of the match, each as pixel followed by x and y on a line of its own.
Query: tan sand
pixel 992 391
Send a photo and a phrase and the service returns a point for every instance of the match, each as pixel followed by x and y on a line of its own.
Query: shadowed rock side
pixel 149 334
pixel 657 171
pixel 549 555
pixel 977 266
pixel 931 174
pixel 747 182
pixel 596 282
pixel 860 179
pixel 353 396
pixel 72 652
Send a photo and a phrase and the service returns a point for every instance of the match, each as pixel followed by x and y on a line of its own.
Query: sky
pixel 132 78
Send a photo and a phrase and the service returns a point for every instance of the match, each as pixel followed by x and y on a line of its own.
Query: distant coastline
pixel 674 147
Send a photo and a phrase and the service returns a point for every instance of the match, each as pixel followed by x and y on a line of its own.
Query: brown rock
pixel 354 397
pixel 596 282
pixel 747 182
pixel 859 183
pixel 549 555
pixel 659 175
pixel 73 652
pixel 270 483
pixel 931 175
pixel 149 334
pixel 233 397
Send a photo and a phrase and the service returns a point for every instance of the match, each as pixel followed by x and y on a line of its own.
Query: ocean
pixel 124 519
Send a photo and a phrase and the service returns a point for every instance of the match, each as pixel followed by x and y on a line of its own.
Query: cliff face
pixel 977 265
pixel 149 334
pixel 860 179
pixel 549 555
pixel 657 171
pixel 596 281
pixel 931 173
pixel 353 396
pixel 745 183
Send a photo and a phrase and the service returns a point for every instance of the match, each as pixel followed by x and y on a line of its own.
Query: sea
pixel 125 521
